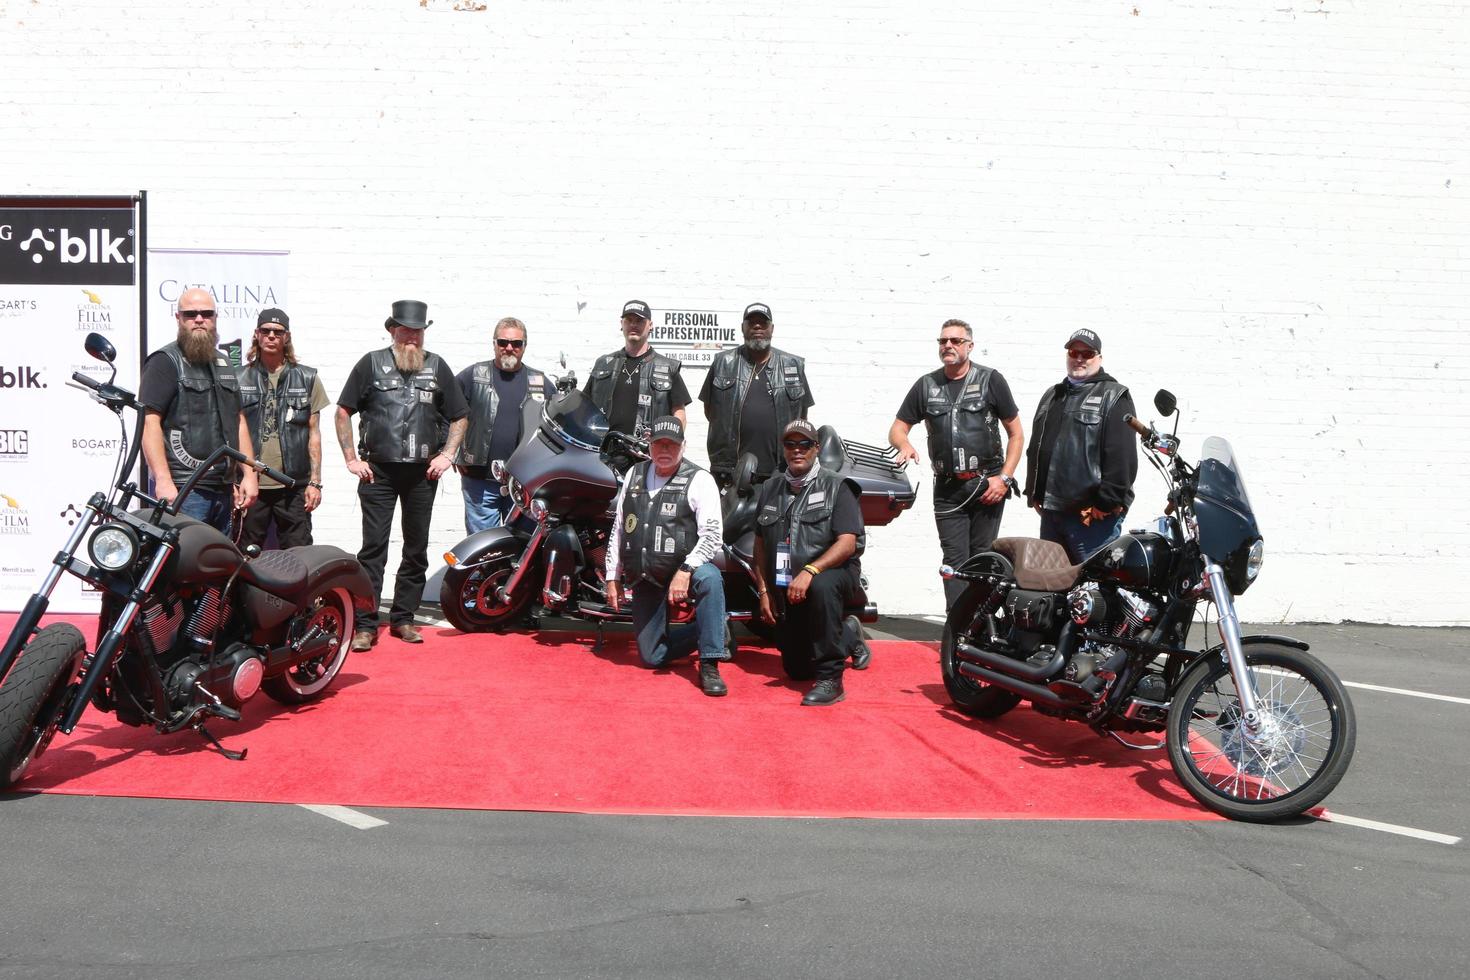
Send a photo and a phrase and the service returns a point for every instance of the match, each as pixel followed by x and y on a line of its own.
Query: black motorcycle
pixel 190 628
pixel 1256 728
pixel 563 479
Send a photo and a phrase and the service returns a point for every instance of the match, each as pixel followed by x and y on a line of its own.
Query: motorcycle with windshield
pixel 1255 727
pixel 190 628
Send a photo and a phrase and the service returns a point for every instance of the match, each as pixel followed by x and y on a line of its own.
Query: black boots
pixel 710 680
pixel 826 691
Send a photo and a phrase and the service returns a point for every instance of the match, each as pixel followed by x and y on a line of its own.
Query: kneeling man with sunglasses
pixel 809 535
pixel 496 390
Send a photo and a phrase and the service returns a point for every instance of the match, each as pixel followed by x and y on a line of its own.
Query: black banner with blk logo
pixel 67 246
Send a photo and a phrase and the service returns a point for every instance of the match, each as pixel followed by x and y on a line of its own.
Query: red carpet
pixel 540 722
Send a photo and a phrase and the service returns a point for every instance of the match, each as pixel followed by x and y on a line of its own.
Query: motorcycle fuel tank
pixel 1132 561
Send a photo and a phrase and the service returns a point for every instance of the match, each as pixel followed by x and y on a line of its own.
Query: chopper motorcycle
pixel 190 628
pixel 563 479
pixel 1255 727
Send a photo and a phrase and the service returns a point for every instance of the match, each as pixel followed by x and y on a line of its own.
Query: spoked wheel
pixel 974 697
pixel 1297 752
pixel 32 696
pixel 468 595
pixel 331 617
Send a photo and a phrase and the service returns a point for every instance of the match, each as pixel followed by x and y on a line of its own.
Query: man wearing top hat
pixel 666 534
pixel 636 385
pixel 282 400
pixel 750 395
pixel 1083 458
pixel 413 419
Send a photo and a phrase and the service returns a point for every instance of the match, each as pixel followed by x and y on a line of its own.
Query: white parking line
pixel 1413 694
pixel 1388 828
pixel 347 815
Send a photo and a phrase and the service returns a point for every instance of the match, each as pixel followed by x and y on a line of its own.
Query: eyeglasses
pixel 272 331
pixel 1081 355
pixel 516 344
pixel 196 314
pixel 956 341
pixel 800 445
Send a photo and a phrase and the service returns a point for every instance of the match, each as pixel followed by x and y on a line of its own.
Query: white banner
pixel 242 284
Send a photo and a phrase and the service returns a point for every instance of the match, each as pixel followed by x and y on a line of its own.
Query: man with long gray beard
pixel 191 400
pixel 413 419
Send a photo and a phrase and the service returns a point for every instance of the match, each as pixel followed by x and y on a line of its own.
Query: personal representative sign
pixel 694 337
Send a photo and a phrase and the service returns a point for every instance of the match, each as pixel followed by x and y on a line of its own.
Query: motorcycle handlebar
pixel 1138 426
pixel 290 483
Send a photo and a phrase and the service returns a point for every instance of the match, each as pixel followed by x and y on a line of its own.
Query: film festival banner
pixel 242 283
pixel 68 267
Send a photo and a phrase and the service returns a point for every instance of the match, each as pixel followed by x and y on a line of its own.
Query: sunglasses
pixel 196 314
pixel 514 344
pixel 800 445
pixel 1081 355
pixel 956 341
pixel 272 331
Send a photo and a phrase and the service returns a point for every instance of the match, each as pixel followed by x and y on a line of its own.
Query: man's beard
pixel 408 358
pixel 198 348
pixel 507 362
pixel 760 346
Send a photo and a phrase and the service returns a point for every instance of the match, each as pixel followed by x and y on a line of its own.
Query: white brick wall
pixel 1261 207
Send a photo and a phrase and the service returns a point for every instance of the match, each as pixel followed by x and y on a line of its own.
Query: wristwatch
pixel 1011 484
pixel 686 567
pixel 313 483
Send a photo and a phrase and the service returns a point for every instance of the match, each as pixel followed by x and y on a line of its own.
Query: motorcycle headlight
pixel 538 510
pixel 1254 560
pixel 112 547
pixel 497 470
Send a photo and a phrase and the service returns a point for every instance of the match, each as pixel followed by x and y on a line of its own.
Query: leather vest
pixel 730 377
pixel 659 530
pixel 964 434
pixel 401 420
pixel 1075 470
pixel 204 413
pixel 805 517
pixel 475 450
pixel 293 412
pixel 655 386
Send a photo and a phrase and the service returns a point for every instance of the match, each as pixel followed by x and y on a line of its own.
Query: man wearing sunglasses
pixel 1083 458
pixel 282 399
pixel 963 406
pixel 809 534
pixel 191 399
pixel 635 385
pixel 497 391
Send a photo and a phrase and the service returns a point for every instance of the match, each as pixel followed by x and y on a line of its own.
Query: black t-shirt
pixel 757 435
pixel 623 413
pixel 510 388
pixel 452 404
pixel 157 390
pixel 949 491
pixel 847 512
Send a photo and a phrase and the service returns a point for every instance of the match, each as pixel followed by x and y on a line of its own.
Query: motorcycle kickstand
pixel 597 643
pixel 230 754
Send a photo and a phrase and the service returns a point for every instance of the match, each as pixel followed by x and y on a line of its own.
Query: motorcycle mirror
pixel 1165 402
pixel 562 359
pixel 100 347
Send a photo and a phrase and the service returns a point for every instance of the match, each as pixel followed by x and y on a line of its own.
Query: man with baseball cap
pixel 636 384
pixel 413 419
pixel 282 400
pixel 809 536
pixel 666 534
pixel 750 394
pixel 1083 458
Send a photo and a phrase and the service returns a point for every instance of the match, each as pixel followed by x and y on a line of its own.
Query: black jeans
pixel 393 483
pixel 964 532
pixel 811 638
pixel 288 509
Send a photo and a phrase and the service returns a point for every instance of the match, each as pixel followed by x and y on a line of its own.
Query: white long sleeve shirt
pixel 704 500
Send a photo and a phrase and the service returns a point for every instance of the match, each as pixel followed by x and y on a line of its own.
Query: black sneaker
pixel 826 691
pixel 862 654
pixel 710 680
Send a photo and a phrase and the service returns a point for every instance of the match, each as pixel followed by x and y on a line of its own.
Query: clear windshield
pixel 1220 476
pixel 574 418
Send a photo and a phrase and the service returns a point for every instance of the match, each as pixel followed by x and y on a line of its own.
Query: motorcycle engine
pixel 234 677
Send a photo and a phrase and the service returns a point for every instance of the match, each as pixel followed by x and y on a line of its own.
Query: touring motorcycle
pixel 1256 728
pixel 190 628
pixel 563 480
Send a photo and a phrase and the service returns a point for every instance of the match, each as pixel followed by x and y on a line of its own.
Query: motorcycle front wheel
pixel 973 697
pixel 1298 753
pixel 468 594
pixel 32 695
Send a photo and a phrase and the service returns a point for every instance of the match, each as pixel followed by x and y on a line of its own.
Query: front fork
pixel 522 567
pixel 1245 682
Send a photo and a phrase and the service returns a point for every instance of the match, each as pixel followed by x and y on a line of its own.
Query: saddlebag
pixel 885 490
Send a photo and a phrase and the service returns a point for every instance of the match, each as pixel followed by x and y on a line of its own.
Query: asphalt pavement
pixel 123 888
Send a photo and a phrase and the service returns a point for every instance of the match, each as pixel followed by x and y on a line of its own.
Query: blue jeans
pixel 1080 540
pixel 485 503
pixel 659 643
pixel 212 507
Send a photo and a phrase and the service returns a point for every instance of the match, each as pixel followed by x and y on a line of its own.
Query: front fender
pixel 484 541
pixel 1245 641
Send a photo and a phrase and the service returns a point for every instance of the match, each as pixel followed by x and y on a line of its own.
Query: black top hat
pixel 409 313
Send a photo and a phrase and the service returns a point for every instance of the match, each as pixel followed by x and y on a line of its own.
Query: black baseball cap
pixel 638 308
pixel 758 309
pixel 273 315
pixel 667 427
pixel 800 427
pixel 1085 336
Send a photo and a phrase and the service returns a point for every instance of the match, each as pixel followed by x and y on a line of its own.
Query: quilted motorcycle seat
pixel 1039 565
pixel 281 573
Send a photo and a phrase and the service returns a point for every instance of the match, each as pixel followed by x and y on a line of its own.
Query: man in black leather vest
pixel 497 391
pixel 665 537
pixel 750 395
pixel 809 536
pixel 413 419
pixel 963 406
pixel 282 400
pixel 1083 458
pixel 191 399
pixel 636 385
